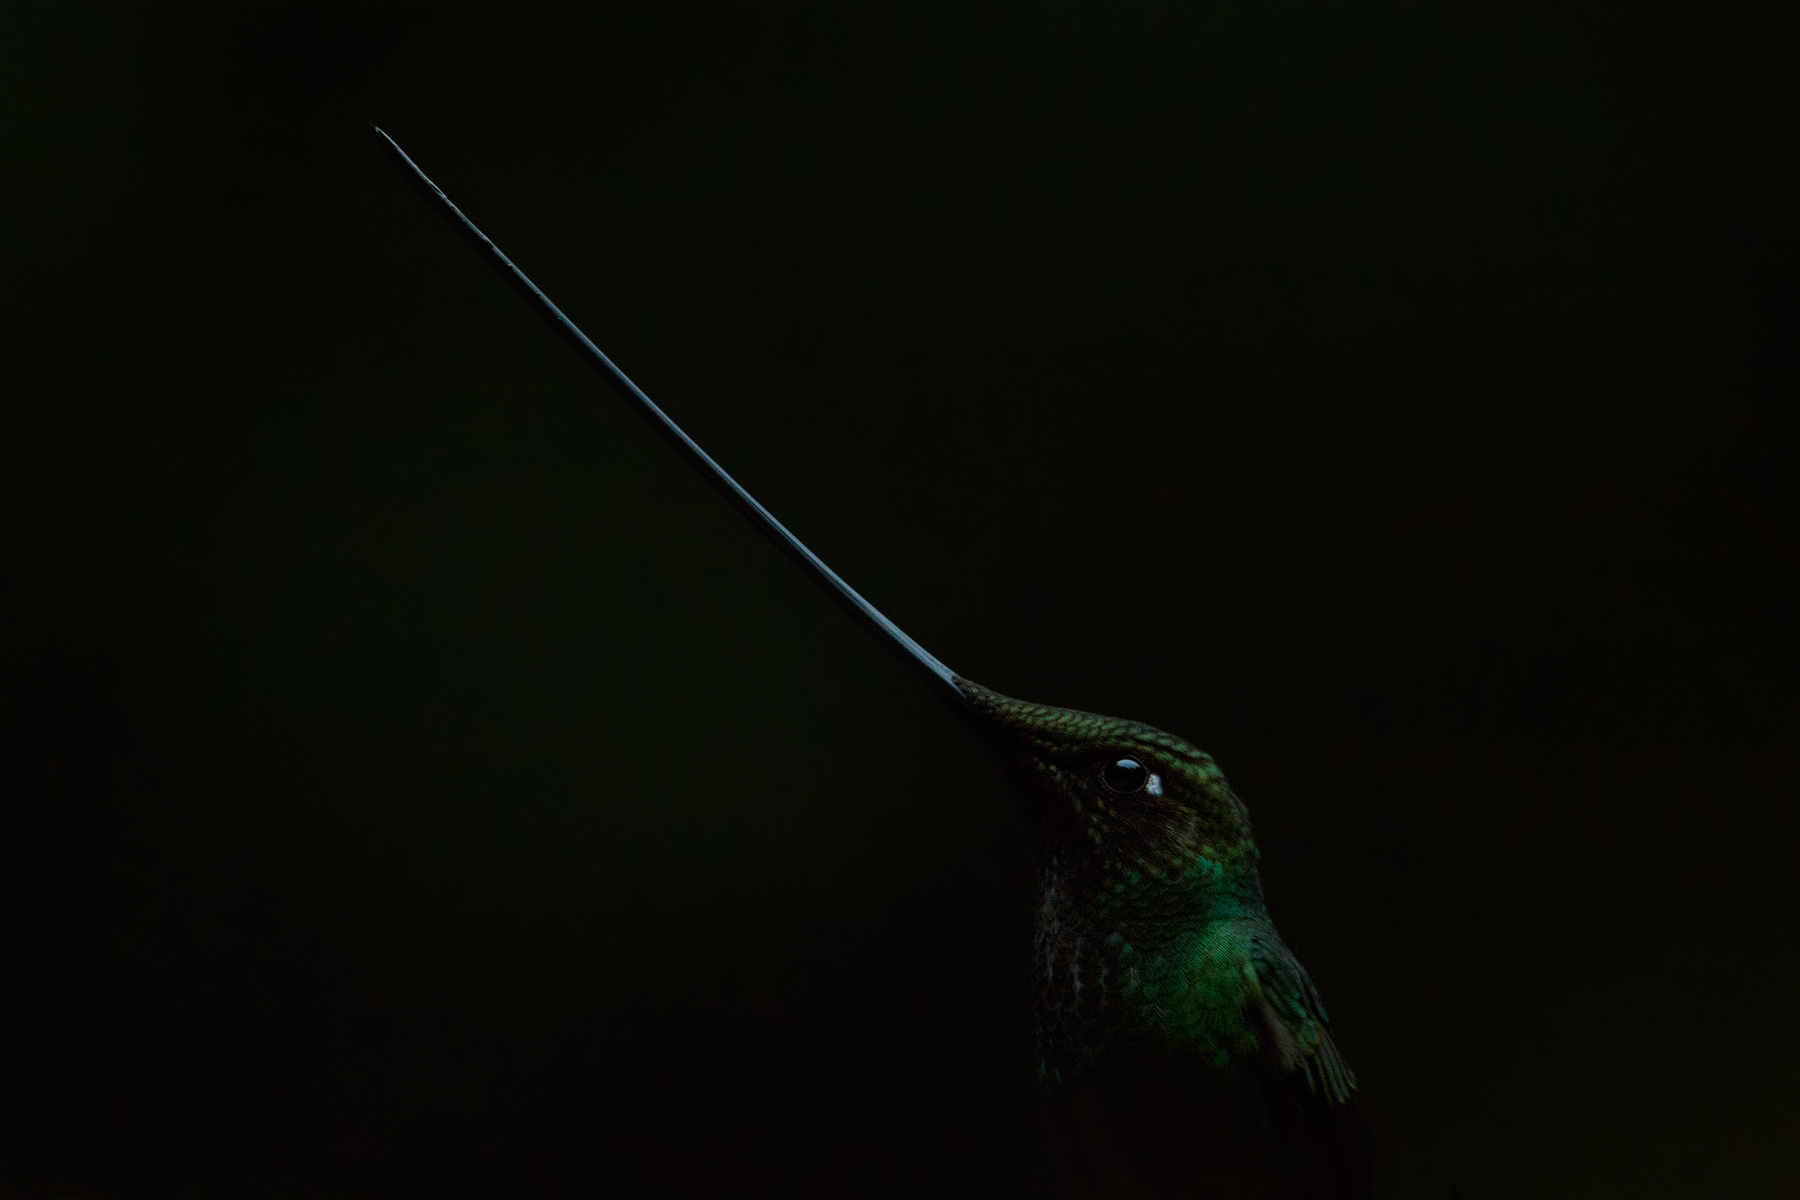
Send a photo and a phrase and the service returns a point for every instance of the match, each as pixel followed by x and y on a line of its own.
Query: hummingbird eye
pixel 1124 775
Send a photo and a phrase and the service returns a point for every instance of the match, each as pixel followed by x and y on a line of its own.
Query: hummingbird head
pixel 1113 800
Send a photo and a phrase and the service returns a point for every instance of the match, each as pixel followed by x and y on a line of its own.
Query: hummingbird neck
pixel 1148 960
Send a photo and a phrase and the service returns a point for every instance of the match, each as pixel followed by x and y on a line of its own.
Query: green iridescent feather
pixel 1152 931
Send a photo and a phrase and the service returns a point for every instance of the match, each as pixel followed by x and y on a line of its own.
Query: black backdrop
pixel 418 783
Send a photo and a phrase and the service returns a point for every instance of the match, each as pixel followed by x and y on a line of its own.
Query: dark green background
pixel 417 782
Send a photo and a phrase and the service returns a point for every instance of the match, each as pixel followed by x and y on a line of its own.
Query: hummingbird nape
pixel 1182 1048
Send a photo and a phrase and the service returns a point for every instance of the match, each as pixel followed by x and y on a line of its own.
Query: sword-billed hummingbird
pixel 1182 1048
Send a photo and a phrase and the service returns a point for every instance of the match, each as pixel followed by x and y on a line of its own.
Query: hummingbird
pixel 1182 1050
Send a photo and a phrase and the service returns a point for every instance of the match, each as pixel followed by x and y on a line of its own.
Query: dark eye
pixel 1124 775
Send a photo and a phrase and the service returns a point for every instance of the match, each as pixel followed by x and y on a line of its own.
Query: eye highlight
pixel 1124 774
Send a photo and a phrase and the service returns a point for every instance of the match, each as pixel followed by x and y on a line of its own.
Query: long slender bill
pixel 911 652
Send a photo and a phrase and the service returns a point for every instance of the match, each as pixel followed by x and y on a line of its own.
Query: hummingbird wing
pixel 1294 1017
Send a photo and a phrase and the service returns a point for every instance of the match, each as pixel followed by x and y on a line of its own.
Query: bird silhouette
pixel 1182 1049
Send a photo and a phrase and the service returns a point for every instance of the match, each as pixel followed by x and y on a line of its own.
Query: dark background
pixel 417 782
